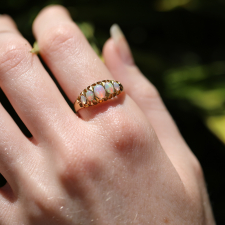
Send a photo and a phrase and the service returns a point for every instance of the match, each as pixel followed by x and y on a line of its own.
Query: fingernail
pixel 121 44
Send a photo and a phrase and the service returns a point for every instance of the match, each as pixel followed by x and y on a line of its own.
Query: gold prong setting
pixel 98 92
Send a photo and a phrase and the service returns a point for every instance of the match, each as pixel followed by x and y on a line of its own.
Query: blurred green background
pixel 180 46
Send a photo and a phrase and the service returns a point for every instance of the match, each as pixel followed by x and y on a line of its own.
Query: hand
pixel 120 162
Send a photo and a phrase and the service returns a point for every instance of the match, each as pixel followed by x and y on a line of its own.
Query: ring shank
pixel 77 106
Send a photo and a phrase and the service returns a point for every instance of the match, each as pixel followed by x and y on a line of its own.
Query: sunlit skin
pixel 120 162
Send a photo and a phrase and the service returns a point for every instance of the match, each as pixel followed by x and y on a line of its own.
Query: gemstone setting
pixel 90 95
pixel 109 87
pixel 99 91
pixel 116 86
pixel 83 99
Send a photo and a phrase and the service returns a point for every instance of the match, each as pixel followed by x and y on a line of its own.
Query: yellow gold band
pixel 98 92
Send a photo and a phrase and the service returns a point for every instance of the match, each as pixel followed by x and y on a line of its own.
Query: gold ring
pixel 98 92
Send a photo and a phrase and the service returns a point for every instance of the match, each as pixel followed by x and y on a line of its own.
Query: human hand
pixel 121 162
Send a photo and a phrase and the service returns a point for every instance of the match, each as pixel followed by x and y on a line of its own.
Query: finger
pixel 8 211
pixel 27 85
pixel 66 52
pixel 14 150
pixel 120 63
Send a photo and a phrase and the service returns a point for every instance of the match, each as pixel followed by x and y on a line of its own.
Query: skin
pixel 120 162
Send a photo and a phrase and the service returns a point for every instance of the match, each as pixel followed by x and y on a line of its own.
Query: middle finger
pixel 27 85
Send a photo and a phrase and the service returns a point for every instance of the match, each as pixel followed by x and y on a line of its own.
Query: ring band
pixel 98 92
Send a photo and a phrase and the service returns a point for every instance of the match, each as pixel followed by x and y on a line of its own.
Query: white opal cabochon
pixel 109 87
pixel 116 86
pixel 99 91
pixel 90 95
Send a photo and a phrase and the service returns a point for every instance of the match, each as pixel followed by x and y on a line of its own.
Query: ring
pixel 97 93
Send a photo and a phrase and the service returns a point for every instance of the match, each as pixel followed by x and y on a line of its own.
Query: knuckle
pixel 47 207
pixel 60 37
pixel 153 93
pixel 44 199
pixel 131 134
pixel 148 90
pixel 150 95
pixel 15 56
pixel 77 167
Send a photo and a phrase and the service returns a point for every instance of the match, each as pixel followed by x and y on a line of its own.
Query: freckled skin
pixel 166 221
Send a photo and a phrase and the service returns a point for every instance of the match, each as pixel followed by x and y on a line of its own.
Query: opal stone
pixel 90 95
pixel 116 86
pixel 83 99
pixel 99 91
pixel 109 87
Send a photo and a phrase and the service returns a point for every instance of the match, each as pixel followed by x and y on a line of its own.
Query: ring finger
pixel 67 53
